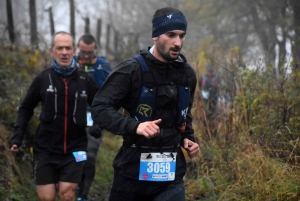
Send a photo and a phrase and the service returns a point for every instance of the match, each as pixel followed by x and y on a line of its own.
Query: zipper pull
pixel 50 89
pixel 83 94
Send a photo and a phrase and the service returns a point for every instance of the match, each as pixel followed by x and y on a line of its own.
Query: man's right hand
pixel 14 148
pixel 149 129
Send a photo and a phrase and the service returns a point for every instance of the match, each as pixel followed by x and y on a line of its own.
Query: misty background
pixel 265 31
pixel 254 153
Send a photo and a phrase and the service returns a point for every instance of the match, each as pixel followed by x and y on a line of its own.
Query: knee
pixel 46 197
pixel 67 194
pixel 46 192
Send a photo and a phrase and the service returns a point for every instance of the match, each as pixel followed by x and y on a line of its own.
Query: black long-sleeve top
pixel 57 132
pixel 122 88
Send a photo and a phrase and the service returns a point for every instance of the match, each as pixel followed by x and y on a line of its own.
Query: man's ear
pixel 154 39
pixel 51 52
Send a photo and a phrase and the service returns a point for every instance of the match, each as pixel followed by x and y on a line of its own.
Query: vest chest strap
pixel 151 147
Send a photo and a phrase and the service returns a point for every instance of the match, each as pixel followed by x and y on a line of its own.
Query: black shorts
pixel 52 168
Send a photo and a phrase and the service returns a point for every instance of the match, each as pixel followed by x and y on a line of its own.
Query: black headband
pixel 167 23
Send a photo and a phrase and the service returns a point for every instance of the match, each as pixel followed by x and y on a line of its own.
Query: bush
pixel 18 67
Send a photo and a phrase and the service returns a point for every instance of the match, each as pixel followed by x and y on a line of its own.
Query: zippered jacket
pixel 123 87
pixel 63 111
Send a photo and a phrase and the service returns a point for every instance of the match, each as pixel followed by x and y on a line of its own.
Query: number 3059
pixel 159 167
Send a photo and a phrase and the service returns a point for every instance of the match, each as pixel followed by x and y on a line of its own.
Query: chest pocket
pixel 49 109
pixel 172 96
pixel 167 95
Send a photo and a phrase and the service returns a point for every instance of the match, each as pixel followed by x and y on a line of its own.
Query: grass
pixel 228 168
pixel 15 173
pixel 232 171
pixel 104 170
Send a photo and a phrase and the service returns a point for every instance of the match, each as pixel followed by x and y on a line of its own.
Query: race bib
pixel 89 119
pixel 80 156
pixel 157 166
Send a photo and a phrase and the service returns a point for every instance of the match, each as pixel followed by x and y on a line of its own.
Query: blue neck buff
pixel 167 23
pixel 64 71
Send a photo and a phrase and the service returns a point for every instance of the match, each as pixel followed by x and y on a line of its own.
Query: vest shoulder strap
pixel 147 76
pixel 82 80
pixel 142 62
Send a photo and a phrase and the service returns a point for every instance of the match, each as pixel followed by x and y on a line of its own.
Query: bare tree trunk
pixel 10 21
pixel 87 25
pixel 52 29
pixel 296 47
pixel 72 18
pixel 98 32
pixel 268 41
pixel 116 41
pixel 33 25
pixel 282 55
pixel 116 45
pixel 107 39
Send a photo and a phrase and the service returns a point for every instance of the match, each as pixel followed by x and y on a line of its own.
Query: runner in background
pixel 99 68
pixel 63 90
pixel 209 89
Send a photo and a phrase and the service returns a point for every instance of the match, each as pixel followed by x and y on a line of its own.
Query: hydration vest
pixel 49 109
pixel 95 68
pixel 145 108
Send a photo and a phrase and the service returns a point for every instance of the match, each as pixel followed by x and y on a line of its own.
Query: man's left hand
pixel 95 131
pixel 191 147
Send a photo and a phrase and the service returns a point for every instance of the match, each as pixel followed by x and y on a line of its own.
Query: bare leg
pixel 67 191
pixel 46 192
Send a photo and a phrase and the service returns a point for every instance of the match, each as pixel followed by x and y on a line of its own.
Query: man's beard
pixel 85 61
pixel 161 48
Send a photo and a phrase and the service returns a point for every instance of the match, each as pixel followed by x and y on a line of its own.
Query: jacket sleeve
pixel 112 96
pixel 107 68
pixel 100 74
pixel 25 111
pixel 189 131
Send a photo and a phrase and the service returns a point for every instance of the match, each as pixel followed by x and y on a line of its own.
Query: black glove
pixel 95 131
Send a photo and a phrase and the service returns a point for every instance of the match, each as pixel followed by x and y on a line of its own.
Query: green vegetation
pixel 104 170
pixel 254 155
pixel 17 70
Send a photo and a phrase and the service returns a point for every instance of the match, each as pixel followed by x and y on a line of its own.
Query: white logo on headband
pixel 169 16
